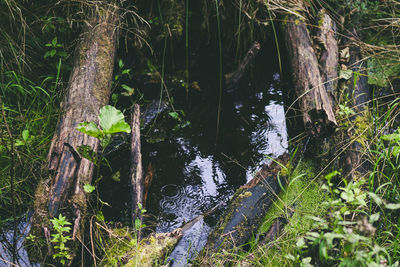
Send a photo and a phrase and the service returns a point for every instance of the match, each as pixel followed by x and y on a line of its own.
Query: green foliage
pixel 60 238
pixel 111 121
pixel 88 188
pixel 54 47
pixel 347 236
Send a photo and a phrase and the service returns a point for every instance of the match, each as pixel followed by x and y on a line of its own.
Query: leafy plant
pixel 60 238
pixel 111 121
pixel 347 236
pixel 54 47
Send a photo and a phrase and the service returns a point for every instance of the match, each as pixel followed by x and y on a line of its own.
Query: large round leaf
pixel 112 120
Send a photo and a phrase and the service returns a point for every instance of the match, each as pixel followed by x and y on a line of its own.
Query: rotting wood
pixel 328 53
pixel 248 207
pixel 137 181
pixel 315 105
pixel 88 90
pixel 233 79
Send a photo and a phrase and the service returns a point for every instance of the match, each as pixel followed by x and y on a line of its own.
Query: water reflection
pixel 195 169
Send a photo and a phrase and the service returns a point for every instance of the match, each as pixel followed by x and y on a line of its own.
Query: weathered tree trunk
pixel 354 161
pixel 328 54
pixel 233 79
pixel 248 207
pixel 88 90
pixel 315 105
pixel 137 181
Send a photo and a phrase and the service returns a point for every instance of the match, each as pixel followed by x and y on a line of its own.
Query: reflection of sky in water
pixel 205 181
pixel 274 136
pixel 181 204
pixel 6 240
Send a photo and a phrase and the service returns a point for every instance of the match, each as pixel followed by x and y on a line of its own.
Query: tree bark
pixel 248 207
pixel 328 54
pixel 315 105
pixel 137 181
pixel 88 90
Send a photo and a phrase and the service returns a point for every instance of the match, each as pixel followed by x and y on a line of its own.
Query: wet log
pixel 354 162
pixel 232 79
pixel 137 178
pixel 314 103
pixel 248 207
pixel 88 90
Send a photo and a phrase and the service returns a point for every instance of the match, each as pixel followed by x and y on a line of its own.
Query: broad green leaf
pixel 54 41
pixel 19 142
pixel 25 135
pixel 174 115
pixel 53 53
pixel 112 120
pixel 120 126
pixel 392 206
pixel 90 128
pixel 88 188
pixel 394 137
pixel 375 198
pixel 374 217
pixel 120 64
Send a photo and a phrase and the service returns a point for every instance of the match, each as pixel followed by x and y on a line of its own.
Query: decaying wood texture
pixel 315 105
pixel 328 53
pixel 356 88
pixel 88 90
pixel 233 79
pixel 248 207
pixel 137 179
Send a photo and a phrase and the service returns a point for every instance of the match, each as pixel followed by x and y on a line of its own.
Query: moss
pixel 302 198
pixel 362 125
pixel 124 248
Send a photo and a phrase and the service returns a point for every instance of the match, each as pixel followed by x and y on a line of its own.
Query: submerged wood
pixel 314 103
pixel 137 179
pixel 248 207
pixel 88 90
pixel 233 79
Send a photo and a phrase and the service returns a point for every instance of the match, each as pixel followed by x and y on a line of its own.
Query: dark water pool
pixel 197 166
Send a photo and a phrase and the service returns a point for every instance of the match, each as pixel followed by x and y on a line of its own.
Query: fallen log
pixel 314 103
pixel 248 207
pixel 88 90
pixel 232 79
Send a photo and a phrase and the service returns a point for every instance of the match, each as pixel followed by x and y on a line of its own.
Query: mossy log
pixel 247 208
pixel 314 103
pixel 88 90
